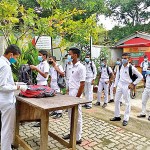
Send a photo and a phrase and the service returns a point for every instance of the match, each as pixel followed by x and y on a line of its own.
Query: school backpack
pixel 37 91
pixel 61 81
pixel 132 76
pixel 25 74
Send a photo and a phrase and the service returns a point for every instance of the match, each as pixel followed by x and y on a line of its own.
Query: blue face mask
pixel 12 60
pixel 148 72
pixel 40 58
pixel 118 62
pixel 69 59
pixel 103 64
pixel 87 60
pixel 124 61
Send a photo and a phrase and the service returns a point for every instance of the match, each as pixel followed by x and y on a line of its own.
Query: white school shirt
pixel 104 73
pixel 67 69
pixel 7 85
pixel 144 65
pixel 147 85
pixel 53 73
pixel 89 73
pixel 78 75
pixel 43 67
pixel 123 76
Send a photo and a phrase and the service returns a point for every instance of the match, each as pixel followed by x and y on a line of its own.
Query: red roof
pixel 135 42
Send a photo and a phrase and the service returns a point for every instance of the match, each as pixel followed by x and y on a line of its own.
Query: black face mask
pixel 50 62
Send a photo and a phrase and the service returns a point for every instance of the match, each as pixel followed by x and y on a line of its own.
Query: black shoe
pixel 104 105
pixel 66 137
pixel 88 107
pixel 115 119
pixel 59 115
pixel 124 123
pixel 84 105
pixel 141 116
pixel 79 142
pixel 111 101
pixel 149 118
pixel 97 104
pixel 121 104
pixel 37 125
pixel 53 113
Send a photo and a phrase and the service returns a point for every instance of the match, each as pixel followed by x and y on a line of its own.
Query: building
pixel 137 44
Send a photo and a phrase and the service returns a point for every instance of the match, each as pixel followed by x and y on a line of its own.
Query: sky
pixel 107 23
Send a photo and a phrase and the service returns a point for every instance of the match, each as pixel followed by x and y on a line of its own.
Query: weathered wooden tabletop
pixel 56 102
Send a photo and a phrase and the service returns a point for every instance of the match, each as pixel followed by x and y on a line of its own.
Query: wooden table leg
pixel 44 130
pixel 73 127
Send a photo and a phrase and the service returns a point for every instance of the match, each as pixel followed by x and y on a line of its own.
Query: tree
pixel 118 33
pixel 129 11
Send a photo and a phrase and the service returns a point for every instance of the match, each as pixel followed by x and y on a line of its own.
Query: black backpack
pixel 132 76
pixel 25 74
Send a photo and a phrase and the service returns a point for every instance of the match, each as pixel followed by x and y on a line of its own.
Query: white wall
pixel 116 53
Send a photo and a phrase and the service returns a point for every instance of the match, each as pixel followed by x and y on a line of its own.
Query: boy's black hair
pixel 145 56
pixel 13 49
pixel 75 51
pixel 53 57
pixel 104 59
pixel 43 52
pixel 126 54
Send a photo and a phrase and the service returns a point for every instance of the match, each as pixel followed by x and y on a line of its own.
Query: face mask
pixel 148 72
pixel 103 64
pixel 118 62
pixel 50 62
pixel 40 58
pixel 69 59
pixel 124 61
pixel 145 59
pixel 87 60
pixel 12 60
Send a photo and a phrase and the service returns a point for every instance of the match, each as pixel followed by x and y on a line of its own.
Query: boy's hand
pixel 33 67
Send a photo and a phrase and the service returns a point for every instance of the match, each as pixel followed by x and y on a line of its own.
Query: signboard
pixel 137 55
pixel 43 42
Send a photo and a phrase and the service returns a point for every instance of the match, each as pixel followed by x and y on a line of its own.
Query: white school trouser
pixel 122 89
pixel 8 114
pixel 145 96
pixel 111 91
pixel 88 90
pixel 112 94
pixel 102 85
pixel 55 86
pixel 73 92
pixel 67 84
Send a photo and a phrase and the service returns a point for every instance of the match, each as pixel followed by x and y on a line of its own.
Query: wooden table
pixel 37 109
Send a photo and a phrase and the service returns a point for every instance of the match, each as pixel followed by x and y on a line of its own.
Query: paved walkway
pixel 97 135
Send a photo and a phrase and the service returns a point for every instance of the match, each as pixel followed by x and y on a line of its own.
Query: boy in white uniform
pixel 106 74
pixel 118 63
pixel 124 83
pixel 145 96
pixel 76 87
pixel 43 69
pixel 54 71
pixel 67 69
pixel 7 97
pixel 91 74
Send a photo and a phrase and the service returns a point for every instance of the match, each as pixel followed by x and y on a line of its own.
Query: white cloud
pixel 107 22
